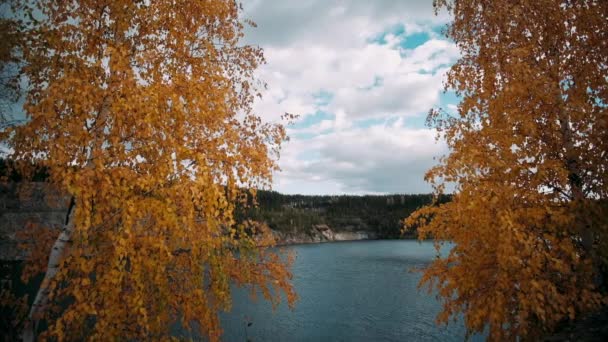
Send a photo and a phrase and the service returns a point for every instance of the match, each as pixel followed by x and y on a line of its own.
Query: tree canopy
pixel 141 111
pixel 528 157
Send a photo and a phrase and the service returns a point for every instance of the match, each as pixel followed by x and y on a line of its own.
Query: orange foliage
pixel 529 163
pixel 141 110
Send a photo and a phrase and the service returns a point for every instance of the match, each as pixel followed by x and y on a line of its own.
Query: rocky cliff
pixel 27 203
pixel 320 233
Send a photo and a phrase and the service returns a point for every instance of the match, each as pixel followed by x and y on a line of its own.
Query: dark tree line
pixel 381 214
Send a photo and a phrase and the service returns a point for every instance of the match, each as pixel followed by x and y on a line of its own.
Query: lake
pixel 348 291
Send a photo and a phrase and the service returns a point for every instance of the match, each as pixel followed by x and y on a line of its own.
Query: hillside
pixel 377 216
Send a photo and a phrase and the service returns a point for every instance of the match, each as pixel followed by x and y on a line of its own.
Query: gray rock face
pixel 27 203
pixel 321 233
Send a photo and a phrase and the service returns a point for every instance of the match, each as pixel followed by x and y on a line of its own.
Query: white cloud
pixel 385 159
pixel 403 94
pixel 315 47
pixel 410 80
pixel 333 23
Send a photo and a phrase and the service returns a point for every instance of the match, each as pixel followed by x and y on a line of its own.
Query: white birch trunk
pixel 59 247
pixel 41 299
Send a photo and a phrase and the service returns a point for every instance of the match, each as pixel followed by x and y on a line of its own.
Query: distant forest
pixel 381 214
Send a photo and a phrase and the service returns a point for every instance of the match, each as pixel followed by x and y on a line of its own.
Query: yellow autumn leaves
pixel 142 112
pixel 528 165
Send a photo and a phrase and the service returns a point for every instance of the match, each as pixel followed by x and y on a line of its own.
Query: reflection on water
pixel 349 291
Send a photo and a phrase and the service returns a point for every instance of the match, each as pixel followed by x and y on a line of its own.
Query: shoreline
pixel 286 239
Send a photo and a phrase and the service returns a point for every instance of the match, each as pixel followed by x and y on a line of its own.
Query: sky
pixel 362 76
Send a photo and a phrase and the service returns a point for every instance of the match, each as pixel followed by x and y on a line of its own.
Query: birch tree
pixel 141 111
pixel 528 155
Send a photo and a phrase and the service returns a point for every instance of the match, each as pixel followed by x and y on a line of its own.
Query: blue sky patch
pixel 448 98
pixel 380 39
pixel 322 97
pixel 309 120
pixel 414 40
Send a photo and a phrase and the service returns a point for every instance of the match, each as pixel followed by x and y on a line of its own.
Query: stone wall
pixel 23 203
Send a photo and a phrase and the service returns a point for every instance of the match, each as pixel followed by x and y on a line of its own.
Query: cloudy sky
pixel 362 75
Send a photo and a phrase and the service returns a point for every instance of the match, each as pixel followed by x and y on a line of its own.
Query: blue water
pixel 348 291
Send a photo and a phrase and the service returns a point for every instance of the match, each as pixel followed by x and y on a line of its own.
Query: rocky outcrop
pixel 320 233
pixel 27 203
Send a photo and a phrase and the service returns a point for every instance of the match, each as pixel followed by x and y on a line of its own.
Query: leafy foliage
pixel 142 112
pixel 9 173
pixel 529 160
